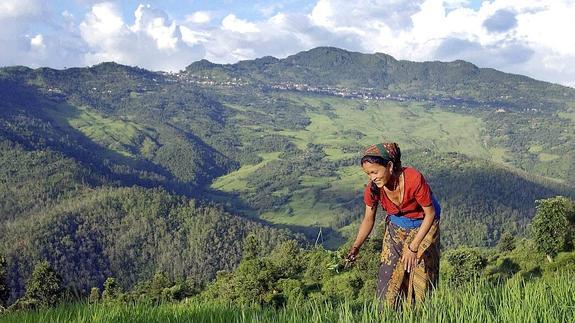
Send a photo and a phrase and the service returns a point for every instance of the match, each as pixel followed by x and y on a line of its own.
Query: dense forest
pixel 116 171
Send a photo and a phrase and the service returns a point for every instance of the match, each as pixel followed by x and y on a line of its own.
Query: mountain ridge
pixel 383 72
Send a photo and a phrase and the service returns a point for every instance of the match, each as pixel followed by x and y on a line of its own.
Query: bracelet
pixel 409 248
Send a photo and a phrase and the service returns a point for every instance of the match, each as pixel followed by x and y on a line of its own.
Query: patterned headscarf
pixel 386 150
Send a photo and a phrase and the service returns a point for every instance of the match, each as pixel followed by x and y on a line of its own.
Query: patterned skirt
pixel 395 284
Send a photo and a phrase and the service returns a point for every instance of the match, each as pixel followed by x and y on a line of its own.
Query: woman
pixel 409 266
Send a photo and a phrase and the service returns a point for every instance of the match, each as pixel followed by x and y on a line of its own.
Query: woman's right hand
pixel 351 256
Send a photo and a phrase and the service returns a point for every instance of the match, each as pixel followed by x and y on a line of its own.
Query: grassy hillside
pixel 276 141
pixel 549 300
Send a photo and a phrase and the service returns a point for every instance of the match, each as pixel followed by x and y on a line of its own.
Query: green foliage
pixel 131 233
pixel 111 289
pixel 564 261
pixel 94 295
pixel 33 179
pixel 159 282
pixel 544 300
pixel 4 289
pixel 160 288
pixel 292 289
pixel 290 275
pixel 550 227
pixel 270 280
pixel 503 269
pixel 317 267
pixel 465 264
pixel 506 242
pixel 344 287
pixel 45 286
pixel 252 247
pixel 254 281
pixel 287 259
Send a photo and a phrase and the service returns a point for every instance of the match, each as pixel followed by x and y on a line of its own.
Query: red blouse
pixel 417 194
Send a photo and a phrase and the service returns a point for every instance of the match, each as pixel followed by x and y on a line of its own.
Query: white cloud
pixel 199 17
pixel 37 42
pixel 153 41
pixel 20 8
pixel 154 23
pixel 103 27
pixel 364 14
pixel 279 36
pixel 21 41
pixel 550 27
pixel 233 23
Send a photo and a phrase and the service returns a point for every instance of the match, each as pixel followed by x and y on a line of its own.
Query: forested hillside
pixel 54 209
pixel 117 171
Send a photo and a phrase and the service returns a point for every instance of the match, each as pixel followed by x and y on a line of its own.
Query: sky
pixel 528 37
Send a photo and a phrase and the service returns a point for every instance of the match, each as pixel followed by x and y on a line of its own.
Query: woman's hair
pixel 374 160
pixel 381 154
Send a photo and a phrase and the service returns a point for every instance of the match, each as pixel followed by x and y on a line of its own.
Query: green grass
pixel 237 181
pixel 412 125
pixel 500 155
pixel 542 300
pixel 535 149
pixel 308 209
pixel 545 157
pixel 120 135
pixel 570 114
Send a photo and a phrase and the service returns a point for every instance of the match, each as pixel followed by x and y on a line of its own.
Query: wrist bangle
pixel 409 248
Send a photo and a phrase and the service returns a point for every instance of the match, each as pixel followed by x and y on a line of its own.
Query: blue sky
pixel 528 37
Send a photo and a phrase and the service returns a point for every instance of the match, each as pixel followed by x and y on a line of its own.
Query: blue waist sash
pixel 408 223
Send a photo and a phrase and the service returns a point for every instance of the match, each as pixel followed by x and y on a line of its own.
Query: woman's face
pixel 377 173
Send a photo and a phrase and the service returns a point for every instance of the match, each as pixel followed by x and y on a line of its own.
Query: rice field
pixel 542 300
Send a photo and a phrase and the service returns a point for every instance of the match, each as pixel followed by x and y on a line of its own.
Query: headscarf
pixel 386 150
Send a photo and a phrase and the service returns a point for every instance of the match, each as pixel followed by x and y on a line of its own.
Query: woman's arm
pixel 366 226
pixel 428 218
pixel 409 257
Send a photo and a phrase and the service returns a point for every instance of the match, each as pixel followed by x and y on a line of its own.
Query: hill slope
pixel 272 140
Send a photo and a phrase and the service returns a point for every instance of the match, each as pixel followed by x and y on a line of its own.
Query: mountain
pixel 92 159
pixel 333 67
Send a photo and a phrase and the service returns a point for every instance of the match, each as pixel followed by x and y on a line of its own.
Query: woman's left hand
pixel 409 260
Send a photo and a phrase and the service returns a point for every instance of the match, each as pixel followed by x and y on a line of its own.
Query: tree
pixel 4 290
pixel 44 287
pixel 111 289
pixel 254 280
pixel 158 286
pixel 94 295
pixel 550 225
pixel 252 247
pixel 288 259
pixel 466 264
pixel 506 242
